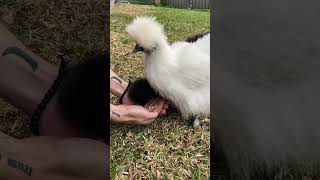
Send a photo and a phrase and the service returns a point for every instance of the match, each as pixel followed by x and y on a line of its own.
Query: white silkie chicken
pixel 179 72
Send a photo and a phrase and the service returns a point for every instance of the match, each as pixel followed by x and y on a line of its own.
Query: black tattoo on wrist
pixel 117 79
pixel 25 168
pixel 116 114
pixel 19 52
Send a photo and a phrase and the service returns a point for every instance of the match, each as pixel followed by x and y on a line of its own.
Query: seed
pixel 151 108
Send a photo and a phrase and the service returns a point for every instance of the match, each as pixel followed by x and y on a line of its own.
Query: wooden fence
pixel 194 4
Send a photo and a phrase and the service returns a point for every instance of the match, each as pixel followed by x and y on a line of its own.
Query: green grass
pixel 169 148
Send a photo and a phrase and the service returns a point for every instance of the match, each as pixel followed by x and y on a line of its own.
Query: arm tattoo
pixel 25 168
pixel 19 52
pixel 117 79
pixel 115 114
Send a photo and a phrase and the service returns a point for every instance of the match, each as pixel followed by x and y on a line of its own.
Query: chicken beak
pixel 137 48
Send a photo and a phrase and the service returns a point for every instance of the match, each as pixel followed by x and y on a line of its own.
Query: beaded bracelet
pixel 34 122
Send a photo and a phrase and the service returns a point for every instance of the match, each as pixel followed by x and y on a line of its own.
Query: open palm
pixel 142 115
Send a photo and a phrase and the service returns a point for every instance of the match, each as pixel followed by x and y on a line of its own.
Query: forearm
pixel 27 168
pixel 12 167
pixel 118 115
pixel 117 85
pixel 116 78
pixel 17 161
pixel 21 83
pixel 116 88
pixel 51 158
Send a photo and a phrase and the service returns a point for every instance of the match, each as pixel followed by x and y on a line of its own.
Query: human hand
pixel 127 101
pixel 135 114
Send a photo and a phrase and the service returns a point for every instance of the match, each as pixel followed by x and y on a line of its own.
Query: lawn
pixel 169 148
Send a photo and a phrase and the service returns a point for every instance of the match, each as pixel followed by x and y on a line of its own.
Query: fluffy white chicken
pixel 179 72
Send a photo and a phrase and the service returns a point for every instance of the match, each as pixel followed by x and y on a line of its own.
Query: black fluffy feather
pixel 140 91
pixel 194 38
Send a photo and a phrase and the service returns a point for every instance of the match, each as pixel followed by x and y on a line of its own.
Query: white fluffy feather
pixel 179 72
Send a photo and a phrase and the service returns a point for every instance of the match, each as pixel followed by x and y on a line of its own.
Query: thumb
pixel 159 103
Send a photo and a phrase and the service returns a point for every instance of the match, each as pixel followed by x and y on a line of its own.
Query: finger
pixel 163 112
pixel 151 102
pixel 159 105
pixel 157 109
pixel 165 105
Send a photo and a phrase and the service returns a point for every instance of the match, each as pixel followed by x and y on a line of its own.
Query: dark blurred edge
pixel 107 34
pixel 213 174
